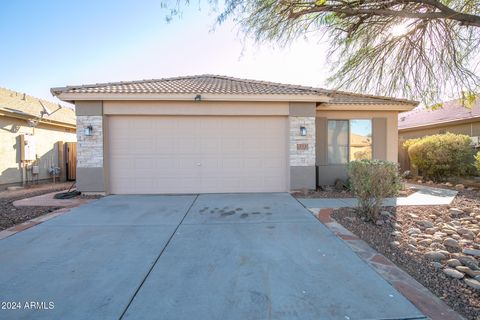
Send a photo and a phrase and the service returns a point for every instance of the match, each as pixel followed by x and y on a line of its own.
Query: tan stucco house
pixel 208 133
pixel 29 131
pixel 452 117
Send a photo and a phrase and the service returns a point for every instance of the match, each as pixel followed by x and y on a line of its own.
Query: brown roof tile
pixel 450 111
pixel 216 84
pixel 22 104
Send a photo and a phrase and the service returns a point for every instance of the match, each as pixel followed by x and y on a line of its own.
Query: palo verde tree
pixel 419 49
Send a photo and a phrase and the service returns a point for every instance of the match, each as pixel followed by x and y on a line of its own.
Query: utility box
pixel 28 147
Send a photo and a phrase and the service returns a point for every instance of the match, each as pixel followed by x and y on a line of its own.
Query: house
pixel 208 133
pixel 452 117
pixel 29 130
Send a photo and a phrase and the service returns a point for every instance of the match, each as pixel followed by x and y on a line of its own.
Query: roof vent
pixel 402 119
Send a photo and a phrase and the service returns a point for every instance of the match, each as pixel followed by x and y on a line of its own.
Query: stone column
pixel 90 148
pixel 302 148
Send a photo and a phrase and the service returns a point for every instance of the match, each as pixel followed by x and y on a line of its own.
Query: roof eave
pixel 385 106
pixel 71 97
pixel 26 117
pixel 439 124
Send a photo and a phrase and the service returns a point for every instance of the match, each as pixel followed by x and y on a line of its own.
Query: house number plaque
pixel 302 146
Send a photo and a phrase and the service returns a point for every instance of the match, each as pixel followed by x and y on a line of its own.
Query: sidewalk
pixel 425 196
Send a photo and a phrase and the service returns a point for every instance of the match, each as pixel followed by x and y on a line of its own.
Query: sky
pixel 53 43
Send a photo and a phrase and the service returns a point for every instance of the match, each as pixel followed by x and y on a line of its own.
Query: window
pixel 349 140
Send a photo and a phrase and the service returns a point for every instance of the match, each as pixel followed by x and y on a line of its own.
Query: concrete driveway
pixel 229 256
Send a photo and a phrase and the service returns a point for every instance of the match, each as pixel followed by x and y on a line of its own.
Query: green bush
pixel 442 155
pixel 477 162
pixel 372 181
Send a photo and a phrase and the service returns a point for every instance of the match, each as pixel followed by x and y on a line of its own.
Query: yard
pixel 437 245
pixel 11 215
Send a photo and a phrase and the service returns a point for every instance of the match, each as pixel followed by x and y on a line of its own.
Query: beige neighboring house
pixel 208 134
pixel 29 131
pixel 451 117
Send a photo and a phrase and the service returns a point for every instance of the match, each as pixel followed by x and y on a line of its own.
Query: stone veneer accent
pixel 302 158
pixel 90 148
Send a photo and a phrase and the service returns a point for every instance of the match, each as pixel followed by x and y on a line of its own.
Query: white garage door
pixel 202 154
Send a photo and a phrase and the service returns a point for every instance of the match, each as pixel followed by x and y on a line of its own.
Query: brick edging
pixel 32 222
pixel 428 303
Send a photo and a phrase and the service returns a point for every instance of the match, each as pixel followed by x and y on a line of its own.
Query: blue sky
pixel 54 43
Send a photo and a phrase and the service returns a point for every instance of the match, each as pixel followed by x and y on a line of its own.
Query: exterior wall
pixel 471 129
pixel 47 137
pixel 90 149
pixel 385 140
pixel 195 108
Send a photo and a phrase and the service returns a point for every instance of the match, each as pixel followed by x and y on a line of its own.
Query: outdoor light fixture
pixel 303 131
pixel 88 130
pixel 198 97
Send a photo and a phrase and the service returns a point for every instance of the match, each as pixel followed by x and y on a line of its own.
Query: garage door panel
pixel 184 154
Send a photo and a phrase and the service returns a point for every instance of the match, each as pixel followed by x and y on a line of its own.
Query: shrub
pixel 477 162
pixel 372 181
pixel 441 155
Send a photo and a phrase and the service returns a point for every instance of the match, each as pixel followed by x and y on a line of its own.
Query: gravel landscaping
pixel 437 245
pixel 11 215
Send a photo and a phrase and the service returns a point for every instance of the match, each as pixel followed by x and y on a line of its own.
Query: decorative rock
pixel 453 273
pixel 468 271
pixel 469 261
pixel 419 181
pixel 453 263
pixel 459 186
pixel 435 255
pixel 472 252
pixel 430 230
pixel 379 223
pixel 395 244
pixel 411 247
pixel 429 182
pixel 449 242
pixel 455 211
pixel 425 242
pixel 437 265
pixel 425 223
pixel 469 235
pixel 412 241
pixel 396 234
pixel 448 184
pixel 413 231
pixel 472 283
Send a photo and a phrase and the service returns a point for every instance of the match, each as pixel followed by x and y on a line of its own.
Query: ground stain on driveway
pixel 184 262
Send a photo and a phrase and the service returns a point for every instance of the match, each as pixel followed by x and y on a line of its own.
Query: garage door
pixel 202 154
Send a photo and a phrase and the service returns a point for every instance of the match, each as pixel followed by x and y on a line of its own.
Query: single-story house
pixel 30 129
pixel 452 117
pixel 209 133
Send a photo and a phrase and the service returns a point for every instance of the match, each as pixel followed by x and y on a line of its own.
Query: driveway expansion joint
pixel 158 258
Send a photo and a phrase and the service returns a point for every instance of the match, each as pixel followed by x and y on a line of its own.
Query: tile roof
pixel 22 104
pixel 216 84
pixel 450 111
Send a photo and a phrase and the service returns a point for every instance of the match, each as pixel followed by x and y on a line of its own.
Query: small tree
pixel 441 155
pixel 372 181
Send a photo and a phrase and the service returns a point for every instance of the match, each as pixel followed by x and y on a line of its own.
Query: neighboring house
pixel 208 133
pixel 451 117
pixel 29 129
